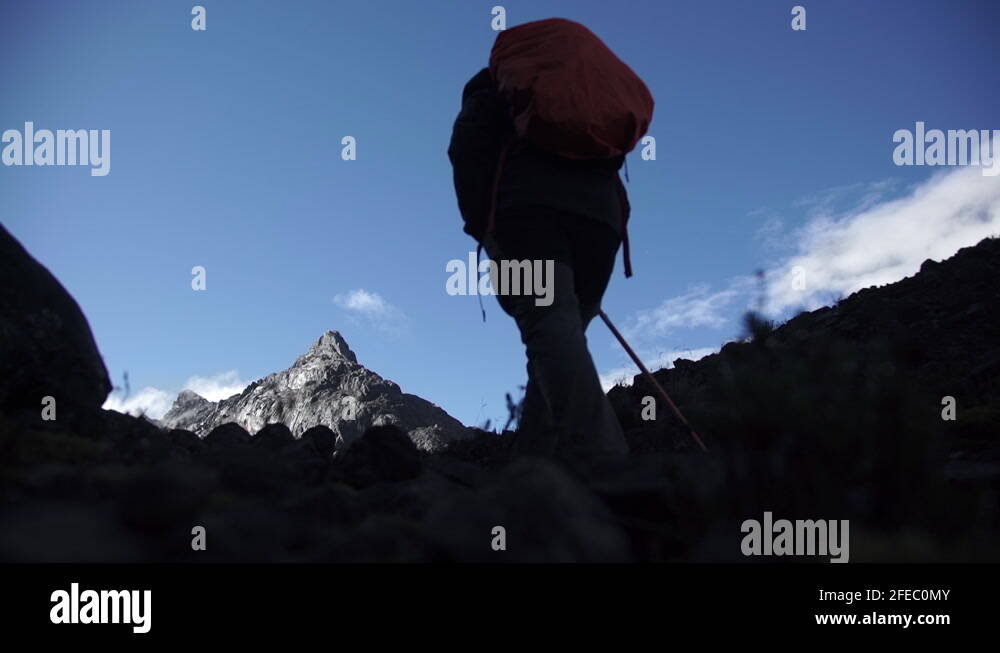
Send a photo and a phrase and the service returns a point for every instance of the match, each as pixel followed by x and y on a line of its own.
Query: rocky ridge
pixel 325 386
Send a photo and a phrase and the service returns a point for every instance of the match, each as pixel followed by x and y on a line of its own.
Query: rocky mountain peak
pixel 189 397
pixel 325 386
pixel 332 344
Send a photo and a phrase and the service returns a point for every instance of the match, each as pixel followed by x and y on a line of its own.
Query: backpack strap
pixel 482 309
pixel 625 210
pixel 492 217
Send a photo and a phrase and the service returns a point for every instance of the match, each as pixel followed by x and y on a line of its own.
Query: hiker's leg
pixel 565 372
pixel 569 397
pixel 534 411
pixel 595 248
pixel 526 238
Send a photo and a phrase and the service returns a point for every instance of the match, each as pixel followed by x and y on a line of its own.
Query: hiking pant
pixel 564 404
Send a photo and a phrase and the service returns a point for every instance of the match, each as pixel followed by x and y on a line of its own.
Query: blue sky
pixel 774 152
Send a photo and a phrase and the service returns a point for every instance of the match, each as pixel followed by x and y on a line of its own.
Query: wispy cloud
pixel 372 308
pixel 154 402
pixel 859 196
pixel 878 243
pixel 149 401
pixel 700 306
pixel 215 388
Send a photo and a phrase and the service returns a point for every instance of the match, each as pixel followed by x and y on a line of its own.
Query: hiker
pixel 536 161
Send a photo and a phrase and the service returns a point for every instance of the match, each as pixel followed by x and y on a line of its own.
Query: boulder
pixel 46 346
pixel 546 516
pixel 274 437
pixel 228 435
pixel 381 454
pixel 184 439
pixel 321 439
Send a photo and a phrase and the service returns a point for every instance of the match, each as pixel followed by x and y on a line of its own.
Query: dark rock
pixel 274 437
pixel 163 498
pixel 251 471
pixel 377 539
pixel 335 504
pixel 547 516
pixel 383 453
pixel 54 480
pixel 249 532
pixel 410 500
pixel 46 347
pixel 227 435
pixel 458 472
pixel 38 533
pixel 321 439
pixel 484 448
pixel 185 439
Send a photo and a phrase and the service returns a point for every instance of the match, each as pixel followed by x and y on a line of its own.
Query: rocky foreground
pixel 835 415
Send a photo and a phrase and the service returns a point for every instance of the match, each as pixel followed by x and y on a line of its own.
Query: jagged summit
pixel 189 396
pixel 325 386
pixel 190 409
pixel 333 343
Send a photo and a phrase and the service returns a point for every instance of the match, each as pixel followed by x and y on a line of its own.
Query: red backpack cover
pixel 569 93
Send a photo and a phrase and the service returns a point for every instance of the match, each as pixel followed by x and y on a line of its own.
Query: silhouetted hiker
pixel 536 151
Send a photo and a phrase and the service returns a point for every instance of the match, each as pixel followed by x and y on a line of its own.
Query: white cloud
pixel 373 308
pixel 154 402
pixel 363 301
pixel 218 387
pixel 880 243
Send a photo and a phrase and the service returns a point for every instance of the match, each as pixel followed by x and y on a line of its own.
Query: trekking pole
pixel 663 393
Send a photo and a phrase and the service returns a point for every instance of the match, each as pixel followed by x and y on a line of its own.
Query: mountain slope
pixel 929 337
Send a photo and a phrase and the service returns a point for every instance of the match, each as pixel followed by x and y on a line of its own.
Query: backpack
pixel 568 92
pixel 569 95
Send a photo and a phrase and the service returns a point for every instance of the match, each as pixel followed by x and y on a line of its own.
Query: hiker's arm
pixel 475 145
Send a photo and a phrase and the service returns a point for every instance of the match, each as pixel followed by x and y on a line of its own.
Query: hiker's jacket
pixel 532 182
